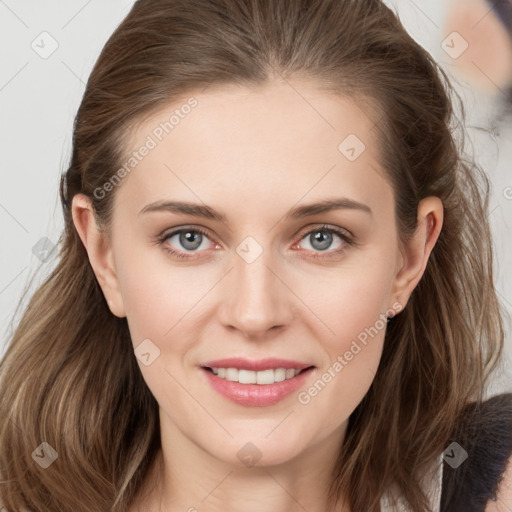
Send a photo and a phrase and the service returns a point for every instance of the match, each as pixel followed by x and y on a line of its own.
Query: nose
pixel 257 298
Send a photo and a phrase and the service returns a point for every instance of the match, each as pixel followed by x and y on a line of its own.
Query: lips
pixel 256 383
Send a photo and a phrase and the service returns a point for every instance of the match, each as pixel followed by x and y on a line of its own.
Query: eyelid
pixel 324 227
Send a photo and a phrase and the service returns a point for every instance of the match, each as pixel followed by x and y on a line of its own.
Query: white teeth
pixel 232 374
pixel 252 377
pixel 246 377
pixel 265 377
pixel 279 374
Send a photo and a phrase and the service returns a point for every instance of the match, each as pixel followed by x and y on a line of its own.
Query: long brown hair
pixel 69 376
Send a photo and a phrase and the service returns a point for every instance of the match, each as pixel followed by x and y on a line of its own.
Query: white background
pixel 39 99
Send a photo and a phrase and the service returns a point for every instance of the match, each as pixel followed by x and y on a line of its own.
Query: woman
pixel 275 286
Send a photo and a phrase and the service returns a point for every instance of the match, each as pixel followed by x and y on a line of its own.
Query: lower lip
pixel 256 395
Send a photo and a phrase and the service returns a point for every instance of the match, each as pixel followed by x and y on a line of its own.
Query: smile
pixel 256 383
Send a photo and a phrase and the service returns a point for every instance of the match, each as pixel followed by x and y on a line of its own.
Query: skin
pixel 487 62
pixel 254 154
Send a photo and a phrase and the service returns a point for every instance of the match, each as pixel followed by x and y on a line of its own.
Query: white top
pixel 432 483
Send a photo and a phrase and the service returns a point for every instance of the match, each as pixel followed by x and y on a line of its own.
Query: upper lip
pixel 255 365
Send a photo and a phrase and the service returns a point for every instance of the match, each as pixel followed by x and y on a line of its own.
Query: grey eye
pixel 321 240
pixel 188 239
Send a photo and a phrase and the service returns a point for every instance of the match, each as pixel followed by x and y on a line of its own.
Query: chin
pixel 258 451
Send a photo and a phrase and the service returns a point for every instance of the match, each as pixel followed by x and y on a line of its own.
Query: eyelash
pixel 344 235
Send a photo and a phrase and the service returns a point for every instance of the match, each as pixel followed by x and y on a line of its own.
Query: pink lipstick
pixel 256 383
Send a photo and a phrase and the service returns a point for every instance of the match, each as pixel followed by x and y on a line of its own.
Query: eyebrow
pixel 201 210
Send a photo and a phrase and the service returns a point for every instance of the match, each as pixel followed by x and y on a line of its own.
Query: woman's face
pixel 273 284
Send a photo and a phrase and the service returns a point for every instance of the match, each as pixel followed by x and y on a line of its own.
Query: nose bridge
pixel 256 300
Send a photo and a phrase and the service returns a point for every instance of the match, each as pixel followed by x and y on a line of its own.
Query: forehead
pixel 272 144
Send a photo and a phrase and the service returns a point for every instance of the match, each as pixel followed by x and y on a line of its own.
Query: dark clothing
pixel 485 432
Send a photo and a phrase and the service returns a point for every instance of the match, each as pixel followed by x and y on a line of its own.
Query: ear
pixel 414 255
pixel 98 247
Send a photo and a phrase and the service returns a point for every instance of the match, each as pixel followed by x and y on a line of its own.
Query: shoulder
pixel 480 474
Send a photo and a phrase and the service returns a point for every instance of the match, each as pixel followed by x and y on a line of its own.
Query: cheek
pixel 353 307
pixel 356 315
pixel 161 302
pixel 350 300
pixel 158 294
